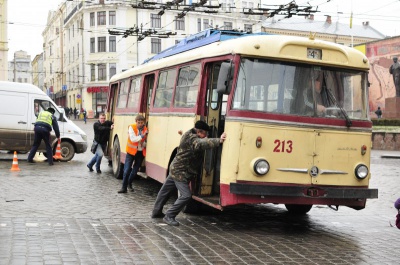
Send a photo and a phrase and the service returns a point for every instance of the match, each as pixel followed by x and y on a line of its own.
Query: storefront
pixel 99 99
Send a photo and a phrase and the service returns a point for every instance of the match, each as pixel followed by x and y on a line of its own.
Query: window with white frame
pixel 92 19
pixel 101 18
pixel 92 72
pixel 112 46
pixel 199 24
pixel 155 20
pixel 248 27
pixel 206 24
pixel 101 44
pixel 102 73
pixel 179 23
pixel 155 45
pixel 92 45
pixel 112 18
pixel 228 26
pixel 113 69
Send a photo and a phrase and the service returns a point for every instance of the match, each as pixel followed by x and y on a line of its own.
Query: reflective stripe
pixel 45 117
pixel 132 145
pixel 132 148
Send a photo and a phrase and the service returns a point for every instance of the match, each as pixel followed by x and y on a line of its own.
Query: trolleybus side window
pixel 187 87
pixel 214 83
pixel 133 98
pixel 165 87
pixel 123 93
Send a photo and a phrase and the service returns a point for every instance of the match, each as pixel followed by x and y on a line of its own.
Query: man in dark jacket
pixel 102 130
pixel 184 167
pixel 43 126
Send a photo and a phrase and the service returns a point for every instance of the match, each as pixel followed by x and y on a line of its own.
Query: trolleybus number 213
pixel 268 93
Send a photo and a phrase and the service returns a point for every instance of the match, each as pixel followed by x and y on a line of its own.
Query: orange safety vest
pixel 131 147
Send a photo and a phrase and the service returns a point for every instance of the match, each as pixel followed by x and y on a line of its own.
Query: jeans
pixel 169 185
pixel 97 157
pixel 129 172
pixel 41 133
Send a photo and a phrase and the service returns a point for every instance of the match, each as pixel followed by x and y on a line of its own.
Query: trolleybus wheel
pixel 117 166
pixel 298 208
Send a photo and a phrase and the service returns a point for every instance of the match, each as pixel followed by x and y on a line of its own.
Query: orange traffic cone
pixel 14 166
pixel 58 156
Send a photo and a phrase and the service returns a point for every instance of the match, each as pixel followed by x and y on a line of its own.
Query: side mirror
pixel 225 78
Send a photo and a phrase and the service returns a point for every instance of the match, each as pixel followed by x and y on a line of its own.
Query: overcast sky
pixel 27 18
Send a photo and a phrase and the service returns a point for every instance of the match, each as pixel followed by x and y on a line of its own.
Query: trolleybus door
pixel 112 100
pixel 145 104
pixel 210 176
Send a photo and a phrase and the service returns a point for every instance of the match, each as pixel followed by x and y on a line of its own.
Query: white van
pixel 20 105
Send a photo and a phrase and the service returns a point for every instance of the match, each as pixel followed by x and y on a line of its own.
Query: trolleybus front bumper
pixel 304 191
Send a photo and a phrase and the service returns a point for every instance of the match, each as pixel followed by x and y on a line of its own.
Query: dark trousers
pixel 41 133
pixel 184 197
pixel 129 172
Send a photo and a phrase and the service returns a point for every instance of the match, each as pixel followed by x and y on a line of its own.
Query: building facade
pixel 328 30
pixel 20 69
pixel 38 72
pixel 3 41
pixel 382 90
pixel 80 55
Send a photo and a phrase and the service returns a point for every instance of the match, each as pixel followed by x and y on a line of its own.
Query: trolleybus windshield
pixel 297 89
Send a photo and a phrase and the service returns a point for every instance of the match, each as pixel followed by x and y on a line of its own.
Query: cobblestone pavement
pixel 67 215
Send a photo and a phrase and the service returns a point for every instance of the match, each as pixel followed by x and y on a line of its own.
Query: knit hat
pixel 202 126
pixel 397 204
pixel 51 110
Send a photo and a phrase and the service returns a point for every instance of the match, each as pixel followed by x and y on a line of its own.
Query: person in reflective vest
pixel 43 126
pixel 135 152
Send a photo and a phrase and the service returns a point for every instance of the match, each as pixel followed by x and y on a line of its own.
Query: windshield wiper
pixel 333 99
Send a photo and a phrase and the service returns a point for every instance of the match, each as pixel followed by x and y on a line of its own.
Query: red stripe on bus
pixel 156 172
pixel 298 119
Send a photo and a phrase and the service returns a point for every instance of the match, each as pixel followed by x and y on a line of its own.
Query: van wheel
pixel 67 151
pixel 298 208
pixel 117 166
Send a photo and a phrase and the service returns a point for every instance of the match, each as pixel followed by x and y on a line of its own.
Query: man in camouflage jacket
pixel 183 168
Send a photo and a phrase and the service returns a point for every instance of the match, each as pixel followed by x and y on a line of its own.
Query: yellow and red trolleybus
pixel 295 111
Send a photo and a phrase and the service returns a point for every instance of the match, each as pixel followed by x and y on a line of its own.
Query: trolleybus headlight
pixel 361 171
pixel 261 167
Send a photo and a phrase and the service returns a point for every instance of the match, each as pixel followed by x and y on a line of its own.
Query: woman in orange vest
pixel 135 152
